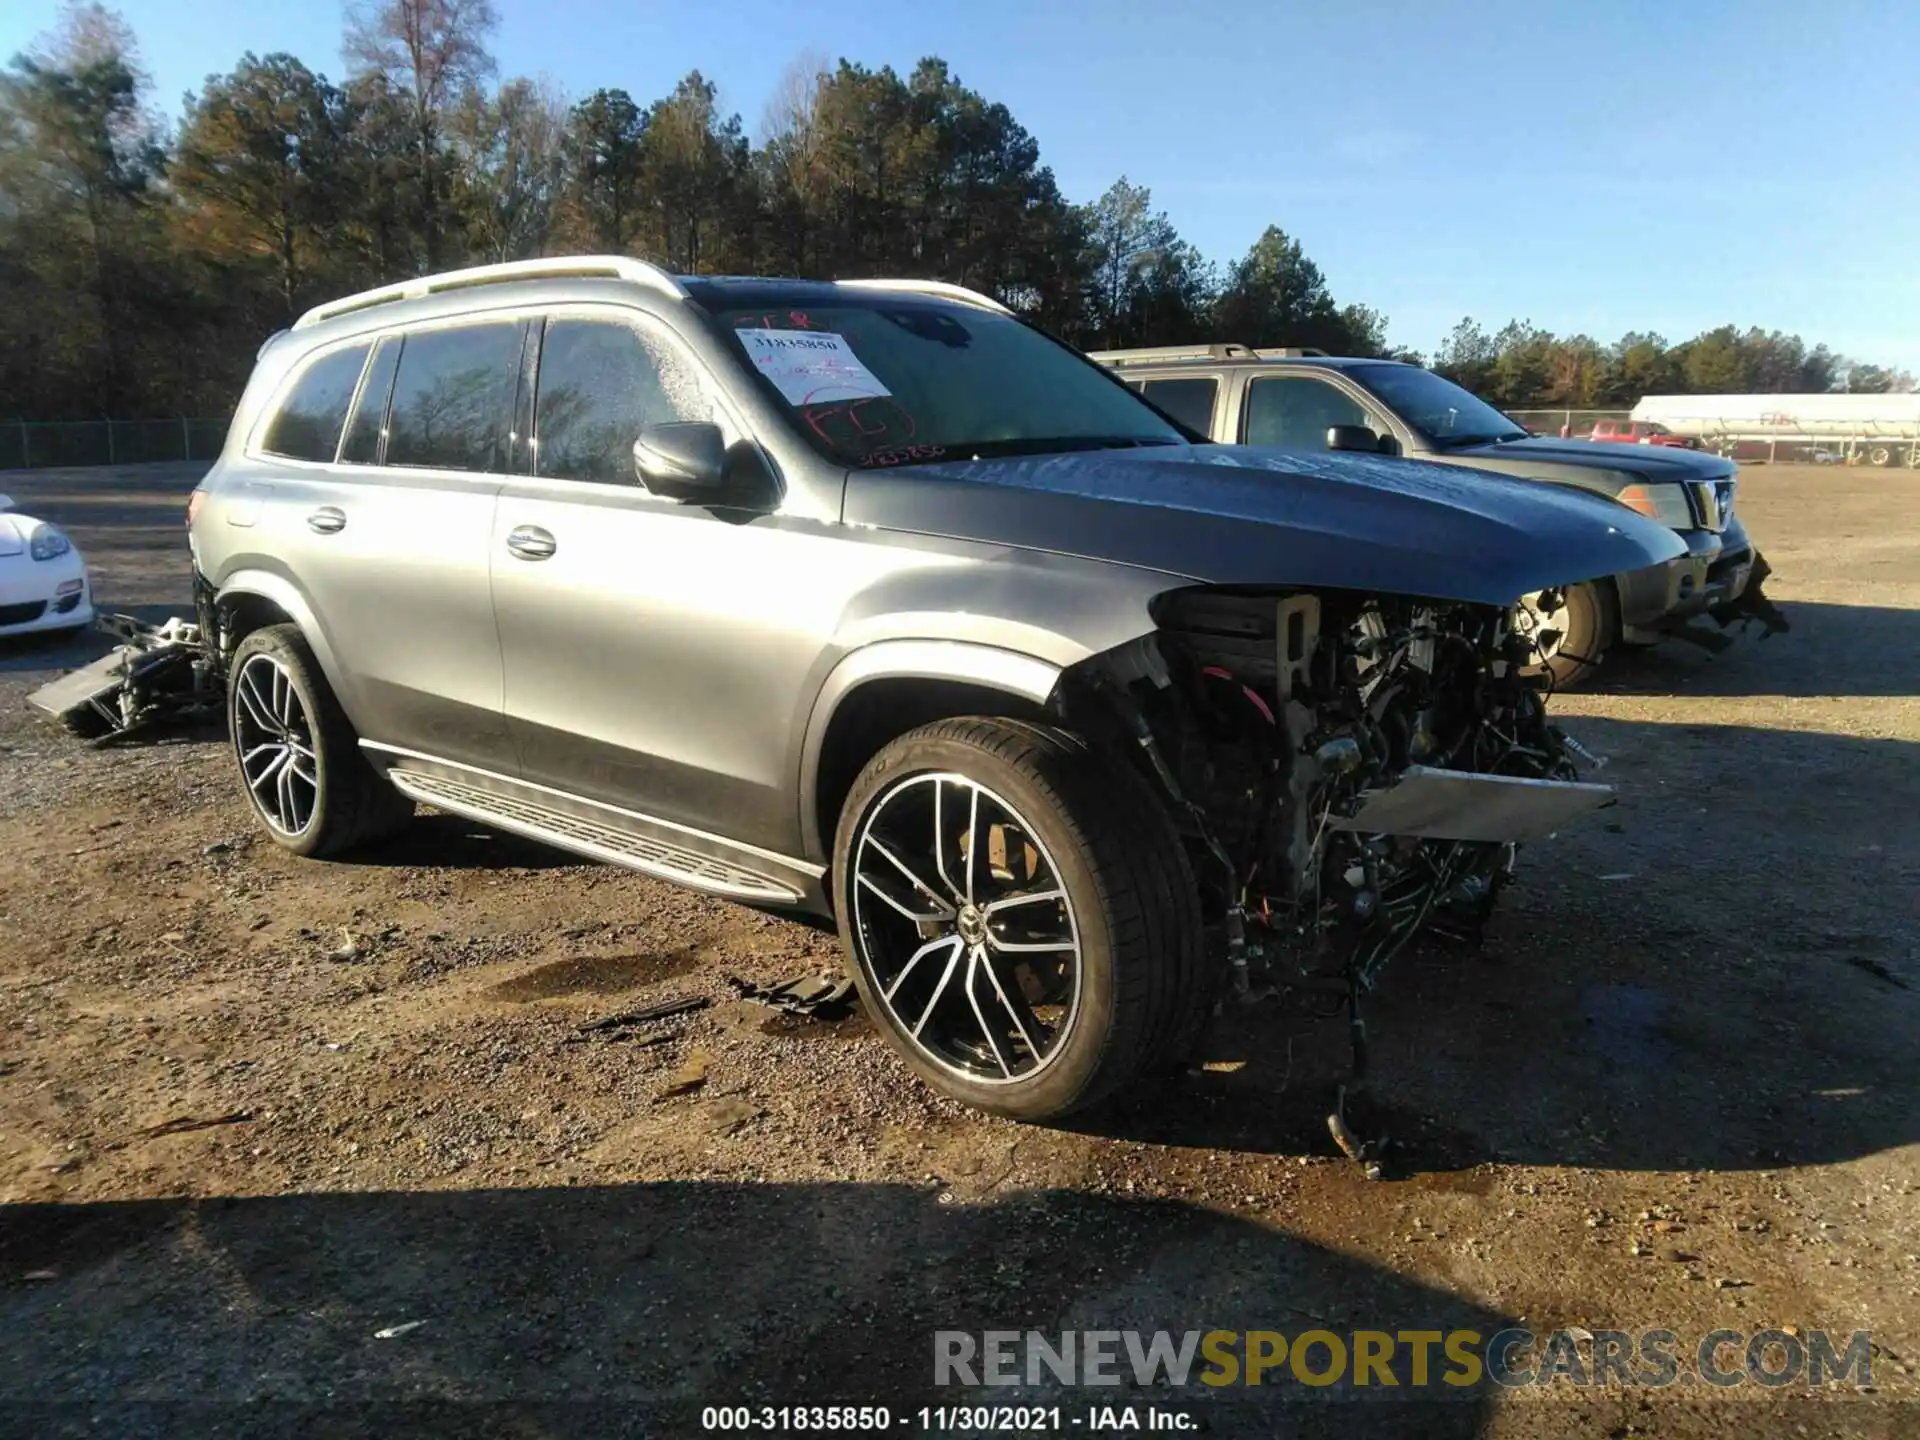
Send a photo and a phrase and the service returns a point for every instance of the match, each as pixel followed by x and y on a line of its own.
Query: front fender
pixel 1000 617
pixel 1056 608
pixel 1026 676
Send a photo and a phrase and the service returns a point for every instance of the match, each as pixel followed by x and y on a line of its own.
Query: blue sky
pixel 1599 167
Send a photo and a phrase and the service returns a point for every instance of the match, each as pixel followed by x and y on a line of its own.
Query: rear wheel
pixel 300 762
pixel 1574 627
pixel 1880 455
pixel 1018 913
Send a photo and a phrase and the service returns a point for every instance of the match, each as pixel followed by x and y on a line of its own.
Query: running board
pixel 647 854
pixel 1462 805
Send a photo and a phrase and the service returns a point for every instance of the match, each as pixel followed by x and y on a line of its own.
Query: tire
pixel 1881 455
pixel 1018 1036
pixel 300 763
pixel 1589 623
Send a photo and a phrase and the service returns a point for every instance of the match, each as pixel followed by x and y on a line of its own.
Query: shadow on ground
pixel 625 1309
pixel 438 841
pixel 1859 650
pixel 58 651
pixel 1721 972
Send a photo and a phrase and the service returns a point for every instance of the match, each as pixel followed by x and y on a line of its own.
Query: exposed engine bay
pixel 1349 769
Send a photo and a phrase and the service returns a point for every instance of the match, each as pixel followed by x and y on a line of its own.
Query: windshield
pixel 1435 406
pixel 888 379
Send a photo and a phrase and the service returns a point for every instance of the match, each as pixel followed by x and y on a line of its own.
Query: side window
pixel 306 426
pixel 601 382
pixel 1294 413
pixel 453 397
pixel 1188 401
pixel 369 422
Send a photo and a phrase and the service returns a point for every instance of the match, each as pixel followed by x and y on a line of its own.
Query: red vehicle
pixel 1641 432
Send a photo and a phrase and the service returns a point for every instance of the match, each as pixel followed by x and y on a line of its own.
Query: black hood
pixel 1656 462
pixel 1235 515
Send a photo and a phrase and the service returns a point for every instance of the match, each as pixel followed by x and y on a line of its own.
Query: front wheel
pixel 1573 628
pixel 1019 915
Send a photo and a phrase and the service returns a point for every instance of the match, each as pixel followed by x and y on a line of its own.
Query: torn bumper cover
pixel 1751 603
pixel 158 674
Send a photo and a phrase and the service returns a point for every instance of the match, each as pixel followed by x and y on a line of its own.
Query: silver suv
pixel 871 600
pixel 1307 400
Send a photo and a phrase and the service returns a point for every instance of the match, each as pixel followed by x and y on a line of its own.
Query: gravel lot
pixel 254 1110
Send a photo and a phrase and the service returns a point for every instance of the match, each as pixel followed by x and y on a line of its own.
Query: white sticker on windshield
pixel 811 367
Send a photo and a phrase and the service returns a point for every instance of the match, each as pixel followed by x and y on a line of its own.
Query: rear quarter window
pixel 305 424
pixel 453 397
pixel 1189 400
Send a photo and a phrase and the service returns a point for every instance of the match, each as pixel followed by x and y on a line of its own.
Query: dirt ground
pixel 255 1111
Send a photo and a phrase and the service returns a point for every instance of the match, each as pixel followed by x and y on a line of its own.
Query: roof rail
pixel 931 287
pixel 1287 352
pixel 617 267
pixel 1161 354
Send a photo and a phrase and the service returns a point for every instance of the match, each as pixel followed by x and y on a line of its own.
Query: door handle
pixel 327 520
pixel 530 542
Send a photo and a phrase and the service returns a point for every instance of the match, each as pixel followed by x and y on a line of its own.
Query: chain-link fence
pixel 41 444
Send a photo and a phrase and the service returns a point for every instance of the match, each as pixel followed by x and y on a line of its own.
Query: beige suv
pixel 1306 402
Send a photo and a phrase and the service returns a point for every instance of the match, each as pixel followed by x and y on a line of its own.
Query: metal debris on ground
pixel 1365 1153
pixel 638 1042
pixel 825 996
pixel 181 1124
pixel 158 675
pixel 661 1011
pixel 394 1331
pixel 1753 606
pixel 691 1076
pixel 1877 969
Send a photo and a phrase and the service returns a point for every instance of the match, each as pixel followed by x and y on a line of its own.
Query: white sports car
pixel 43 579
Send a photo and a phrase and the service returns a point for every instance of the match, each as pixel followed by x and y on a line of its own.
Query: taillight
pixel 193 505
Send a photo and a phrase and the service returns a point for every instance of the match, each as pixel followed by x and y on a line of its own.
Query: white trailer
pixel 1879 429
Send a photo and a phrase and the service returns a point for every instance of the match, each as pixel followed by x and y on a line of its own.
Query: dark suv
pixel 870 599
pixel 1304 401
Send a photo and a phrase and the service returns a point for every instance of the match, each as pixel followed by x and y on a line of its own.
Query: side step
pixel 647 854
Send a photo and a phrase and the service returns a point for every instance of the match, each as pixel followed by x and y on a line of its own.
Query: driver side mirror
pixel 683 461
pixel 689 460
pixel 1355 437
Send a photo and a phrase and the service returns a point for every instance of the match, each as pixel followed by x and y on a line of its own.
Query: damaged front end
pixel 1349 769
pixel 1752 605
pixel 157 675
